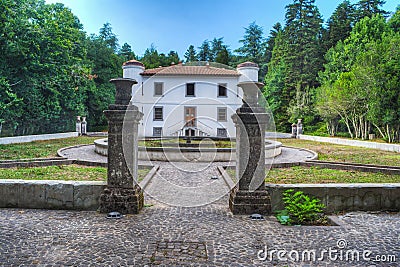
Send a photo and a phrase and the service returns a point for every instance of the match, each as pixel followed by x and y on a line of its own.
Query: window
pixel 158 89
pixel 221 116
pixel 222 91
pixel 221 132
pixel 190 89
pixel 158 113
pixel 157 131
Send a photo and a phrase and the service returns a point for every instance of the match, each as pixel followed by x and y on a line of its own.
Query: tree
pixel 205 52
pixel 10 107
pixel 368 8
pixel 223 56
pixel 108 36
pixel 173 58
pixel 277 28
pixel 296 60
pixel 253 43
pixel 151 58
pixel 190 54
pixel 217 45
pixel 339 25
pixel 361 80
pixel 394 21
pixel 126 52
pixel 43 61
pixel 106 65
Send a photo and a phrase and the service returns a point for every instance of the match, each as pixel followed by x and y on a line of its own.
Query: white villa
pixel 187 100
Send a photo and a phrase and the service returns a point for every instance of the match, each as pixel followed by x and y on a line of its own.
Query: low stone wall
pixel 30 138
pixel 337 197
pixel 71 195
pixel 60 195
pixel 350 142
pixel 344 197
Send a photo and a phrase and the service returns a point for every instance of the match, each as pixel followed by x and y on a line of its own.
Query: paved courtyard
pixel 208 235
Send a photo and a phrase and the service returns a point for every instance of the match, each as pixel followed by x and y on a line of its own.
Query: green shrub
pixel 299 208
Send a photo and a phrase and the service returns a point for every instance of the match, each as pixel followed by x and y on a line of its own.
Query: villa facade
pixel 186 100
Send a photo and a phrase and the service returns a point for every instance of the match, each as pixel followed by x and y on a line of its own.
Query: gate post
pixel 122 194
pixel 250 195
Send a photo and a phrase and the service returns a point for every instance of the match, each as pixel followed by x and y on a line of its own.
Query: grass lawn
pixel 41 149
pixel 315 175
pixel 64 172
pixel 341 153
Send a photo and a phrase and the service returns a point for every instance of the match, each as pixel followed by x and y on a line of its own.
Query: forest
pixel 341 76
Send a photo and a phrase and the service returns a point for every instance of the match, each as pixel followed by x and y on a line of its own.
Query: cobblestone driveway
pixel 165 235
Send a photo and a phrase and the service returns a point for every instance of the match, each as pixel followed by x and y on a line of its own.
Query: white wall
pixel 174 100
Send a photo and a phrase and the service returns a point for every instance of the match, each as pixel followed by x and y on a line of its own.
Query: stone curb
pixel 145 182
pixel 315 154
pixel 226 177
pixel 353 167
pixel 349 142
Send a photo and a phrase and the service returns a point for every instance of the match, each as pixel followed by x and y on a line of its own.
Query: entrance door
pixel 190 116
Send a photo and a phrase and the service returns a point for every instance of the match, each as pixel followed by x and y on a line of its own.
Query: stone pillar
pixel 294 130
pixel 123 194
pixel 299 128
pixel 250 195
pixel 84 126
pixel 78 125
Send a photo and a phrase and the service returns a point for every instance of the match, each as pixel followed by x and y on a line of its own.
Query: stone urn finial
pixel 123 90
pixel 250 92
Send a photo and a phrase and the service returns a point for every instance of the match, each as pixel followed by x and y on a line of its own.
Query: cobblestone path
pixel 186 184
pixel 208 235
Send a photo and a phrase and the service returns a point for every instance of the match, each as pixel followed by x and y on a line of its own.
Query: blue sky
pixel 175 24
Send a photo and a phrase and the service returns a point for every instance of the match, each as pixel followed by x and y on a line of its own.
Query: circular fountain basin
pixel 182 154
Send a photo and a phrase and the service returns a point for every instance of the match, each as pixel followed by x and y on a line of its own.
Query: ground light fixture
pixel 256 216
pixel 114 215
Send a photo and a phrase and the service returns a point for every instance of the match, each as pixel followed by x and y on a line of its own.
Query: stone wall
pixel 69 195
pixel 31 138
pixel 344 197
pixel 337 197
pixel 60 195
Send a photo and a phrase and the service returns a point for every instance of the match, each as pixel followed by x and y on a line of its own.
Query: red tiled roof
pixel 133 62
pixel 190 70
pixel 247 64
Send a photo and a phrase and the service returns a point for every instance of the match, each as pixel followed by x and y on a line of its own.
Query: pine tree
pixel 173 57
pixel 340 24
pixel 205 51
pixel 217 45
pixel 151 59
pixel 277 28
pixel 368 8
pixel 108 36
pixel 295 63
pixel 126 52
pixel 394 21
pixel 190 54
pixel 223 56
pixel 253 44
